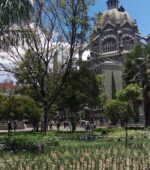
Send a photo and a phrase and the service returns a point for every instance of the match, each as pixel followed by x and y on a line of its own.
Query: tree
pixel 131 66
pixel 137 71
pixel 80 90
pixel 54 35
pixel 111 111
pixel 113 87
pixel 121 109
pixel 12 14
pixel 19 107
pixel 14 11
pixel 130 94
pixel 116 111
pixel 102 98
pixel 133 95
pixel 3 106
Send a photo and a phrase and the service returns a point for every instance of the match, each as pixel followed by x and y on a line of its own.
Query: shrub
pixel 104 131
pixel 26 144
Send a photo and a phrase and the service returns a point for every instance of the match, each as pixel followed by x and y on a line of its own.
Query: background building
pixel 114 35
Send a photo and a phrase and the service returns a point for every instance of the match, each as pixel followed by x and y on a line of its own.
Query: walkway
pixel 54 129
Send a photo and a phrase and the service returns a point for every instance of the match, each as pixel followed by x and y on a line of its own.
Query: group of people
pixel 66 123
pixel 88 126
pixel 12 126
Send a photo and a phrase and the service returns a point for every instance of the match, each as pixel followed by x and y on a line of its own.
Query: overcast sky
pixel 137 9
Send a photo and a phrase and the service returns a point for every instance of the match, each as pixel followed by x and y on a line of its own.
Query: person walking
pixel 15 126
pixel 70 125
pixel 58 125
pixel 9 126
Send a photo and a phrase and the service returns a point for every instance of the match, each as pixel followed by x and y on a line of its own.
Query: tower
pixel 112 4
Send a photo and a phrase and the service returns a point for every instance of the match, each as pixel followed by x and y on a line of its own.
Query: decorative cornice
pixel 108 23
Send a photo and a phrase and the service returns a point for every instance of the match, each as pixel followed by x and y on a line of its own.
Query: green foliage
pixel 42 46
pixel 133 67
pixel 105 131
pixel 117 110
pixel 130 93
pixel 77 15
pixel 113 87
pixel 21 144
pixel 102 98
pixel 3 106
pixel 131 64
pixel 14 11
pixel 136 70
pixel 122 108
pixel 80 89
pixel 98 156
pixel 18 107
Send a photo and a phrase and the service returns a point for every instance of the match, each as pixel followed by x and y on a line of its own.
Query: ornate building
pixel 113 37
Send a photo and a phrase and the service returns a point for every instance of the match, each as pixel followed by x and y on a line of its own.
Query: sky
pixel 137 9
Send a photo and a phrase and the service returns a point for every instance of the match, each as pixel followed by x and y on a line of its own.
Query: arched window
pixel 109 45
pixel 127 43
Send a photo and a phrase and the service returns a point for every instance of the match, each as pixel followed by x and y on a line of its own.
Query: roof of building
pixel 114 16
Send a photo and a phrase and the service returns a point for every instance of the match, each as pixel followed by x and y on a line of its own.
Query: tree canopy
pixel 19 107
pixel 48 48
pixel 80 90
pixel 136 70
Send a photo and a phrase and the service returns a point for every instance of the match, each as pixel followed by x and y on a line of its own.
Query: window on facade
pixel 109 45
pixel 127 43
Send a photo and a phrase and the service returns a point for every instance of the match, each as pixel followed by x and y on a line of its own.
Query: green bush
pixel 104 131
pixel 26 144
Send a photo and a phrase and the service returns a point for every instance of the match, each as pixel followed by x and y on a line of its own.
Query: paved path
pixel 53 129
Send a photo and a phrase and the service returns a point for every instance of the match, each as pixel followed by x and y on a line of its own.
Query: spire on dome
pixel 112 4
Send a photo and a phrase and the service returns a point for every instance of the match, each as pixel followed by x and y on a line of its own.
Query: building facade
pixel 114 35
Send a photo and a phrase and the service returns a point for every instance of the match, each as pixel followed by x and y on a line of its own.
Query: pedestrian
pixel 9 126
pixel 58 125
pixel 15 126
pixel 50 125
pixel 88 126
pixel 70 125
pixel 65 124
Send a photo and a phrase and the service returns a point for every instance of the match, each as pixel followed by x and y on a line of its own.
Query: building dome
pixel 114 16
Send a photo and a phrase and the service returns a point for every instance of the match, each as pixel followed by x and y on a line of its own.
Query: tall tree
pixel 102 97
pixel 80 90
pixel 53 36
pixel 113 86
pixel 137 71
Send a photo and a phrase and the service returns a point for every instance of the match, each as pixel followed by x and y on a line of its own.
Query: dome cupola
pixel 112 4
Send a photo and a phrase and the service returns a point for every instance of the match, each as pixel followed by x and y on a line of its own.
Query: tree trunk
pixel 147 111
pixel 126 138
pixel 37 126
pixel 45 118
